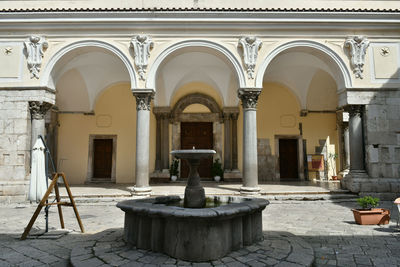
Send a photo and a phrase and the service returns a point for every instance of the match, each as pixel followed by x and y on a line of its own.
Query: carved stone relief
pixel 39 109
pixel 142 44
pixel 249 98
pixel 35 47
pixel 358 48
pixel 143 100
pixel 250 46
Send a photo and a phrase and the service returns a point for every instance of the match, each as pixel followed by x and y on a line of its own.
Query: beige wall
pixel 116 107
pixel 278 113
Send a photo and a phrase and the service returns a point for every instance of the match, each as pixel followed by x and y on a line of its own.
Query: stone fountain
pixel 200 228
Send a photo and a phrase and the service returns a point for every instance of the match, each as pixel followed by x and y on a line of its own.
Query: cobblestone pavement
pixel 327 226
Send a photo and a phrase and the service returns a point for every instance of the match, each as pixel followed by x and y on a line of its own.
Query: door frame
pixel 90 171
pixel 300 166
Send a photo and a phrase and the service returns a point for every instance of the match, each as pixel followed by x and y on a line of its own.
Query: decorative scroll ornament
pixel 39 109
pixel 358 48
pixel 35 47
pixel 249 98
pixel 250 46
pixel 142 44
pixel 143 100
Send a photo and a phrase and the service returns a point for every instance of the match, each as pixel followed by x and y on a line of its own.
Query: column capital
pixel 143 99
pixel 354 110
pixel 39 109
pixel 249 97
pixel 162 112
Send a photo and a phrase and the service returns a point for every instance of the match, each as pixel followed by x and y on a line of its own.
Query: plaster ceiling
pixel 299 71
pixel 95 68
pixel 195 67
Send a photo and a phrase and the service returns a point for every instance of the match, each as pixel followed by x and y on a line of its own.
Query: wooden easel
pixel 58 203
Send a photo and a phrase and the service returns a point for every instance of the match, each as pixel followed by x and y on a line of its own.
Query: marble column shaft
pixel 143 100
pixel 228 142
pixel 38 111
pixel 356 138
pixel 249 99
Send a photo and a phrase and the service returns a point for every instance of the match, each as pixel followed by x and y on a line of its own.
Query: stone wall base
pixel 13 192
pixel 233 176
pixel 384 188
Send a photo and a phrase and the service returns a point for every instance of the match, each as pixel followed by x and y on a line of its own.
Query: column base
pixel 249 191
pixel 353 180
pixel 141 191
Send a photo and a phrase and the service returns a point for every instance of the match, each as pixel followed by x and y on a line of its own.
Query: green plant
pixel 174 168
pixel 216 169
pixel 368 202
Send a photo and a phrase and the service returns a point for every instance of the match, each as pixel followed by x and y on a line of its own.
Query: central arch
pixel 220 49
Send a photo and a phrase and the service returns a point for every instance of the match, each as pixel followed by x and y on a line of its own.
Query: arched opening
pixel 94 128
pixel 194 81
pixel 299 101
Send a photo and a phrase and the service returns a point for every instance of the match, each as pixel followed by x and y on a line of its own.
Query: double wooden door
pixel 200 136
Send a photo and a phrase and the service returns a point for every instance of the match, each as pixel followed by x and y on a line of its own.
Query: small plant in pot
pixel 216 171
pixel 174 170
pixel 368 214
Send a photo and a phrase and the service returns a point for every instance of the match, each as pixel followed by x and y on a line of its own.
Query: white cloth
pixel 37 186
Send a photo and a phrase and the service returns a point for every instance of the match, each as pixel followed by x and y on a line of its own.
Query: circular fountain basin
pixel 162 225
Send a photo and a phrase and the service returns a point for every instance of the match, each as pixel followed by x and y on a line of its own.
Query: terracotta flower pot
pixel 372 216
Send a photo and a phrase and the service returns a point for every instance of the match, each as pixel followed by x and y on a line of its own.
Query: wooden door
pixel 200 136
pixel 102 162
pixel 288 159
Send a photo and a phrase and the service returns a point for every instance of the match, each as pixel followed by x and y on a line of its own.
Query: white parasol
pixel 37 186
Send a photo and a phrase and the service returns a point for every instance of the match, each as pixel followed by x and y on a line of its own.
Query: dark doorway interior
pixel 102 162
pixel 200 136
pixel 288 159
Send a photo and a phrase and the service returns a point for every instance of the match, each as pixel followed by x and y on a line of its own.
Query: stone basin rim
pixel 149 206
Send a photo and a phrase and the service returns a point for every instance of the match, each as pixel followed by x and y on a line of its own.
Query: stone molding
pixel 230 113
pixel 196 98
pixel 162 112
pixel 249 98
pixel 250 46
pixel 358 49
pixel 35 47
pixel 142 44
pixel 143 100
pixel 39 109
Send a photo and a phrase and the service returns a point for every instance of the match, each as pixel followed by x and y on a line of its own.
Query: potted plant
pixel 332 163
pixel 217 171
pixel 368 214
pixel 174 170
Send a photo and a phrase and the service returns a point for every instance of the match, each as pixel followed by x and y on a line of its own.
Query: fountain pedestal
pixel 194 192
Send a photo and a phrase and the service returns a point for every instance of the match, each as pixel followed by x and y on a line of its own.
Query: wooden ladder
pixel 59 203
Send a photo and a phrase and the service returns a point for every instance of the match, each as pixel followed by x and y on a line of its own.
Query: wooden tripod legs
pixel 58 203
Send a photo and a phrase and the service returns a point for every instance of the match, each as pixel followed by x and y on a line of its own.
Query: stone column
pixel 249 99
pixel 143 100
pixel 158 142
pixel 165 141
pixel 346 146
pixel 356 138
pixel 38 111
pixel 227 141
pixel 234 117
